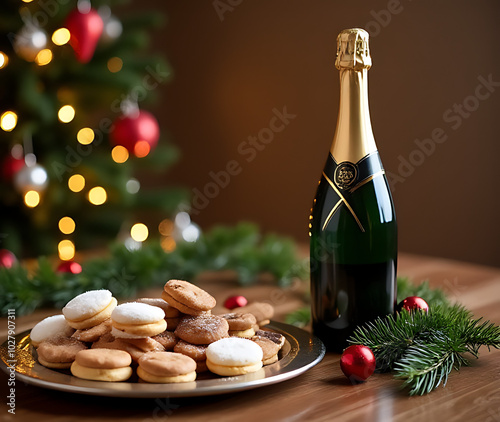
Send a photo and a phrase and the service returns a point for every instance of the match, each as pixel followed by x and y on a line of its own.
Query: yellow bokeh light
pixel 139 232
pixel 66 249
pixel 67 225
pixel 141 149
pixel 76 183
pixel 168 244
pixel 66 113
pixel 43 57
pixel 166 227
pixel 97 195
pixel 85 136
pixel 8 121
pixel 61 36
pixel 4 60
pixel 27 1
pixel 119 154
pixel 31 198
pixel 115 64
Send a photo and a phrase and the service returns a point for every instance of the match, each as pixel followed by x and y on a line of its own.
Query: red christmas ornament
pixel 7 258
pixel 413 302
pixel 139 133
pixel 233 302
pixel 85 30
pixel 357 363
pixel 71 267
pixel 11 166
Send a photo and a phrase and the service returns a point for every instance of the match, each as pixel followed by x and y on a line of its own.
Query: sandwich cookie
pixel 89 309
pixel 50 327
pixel 102 365
pixel 172 315
pixel 269 348
pixel 275 337
pixel 59 352
pixel 197 352
pixel 134 347
pixel 137 320
pixel 166 367
pixel 187 297
pixel 93 334
pixel 263 312
pixel 202 329
pixel 240 325
pixel 234 356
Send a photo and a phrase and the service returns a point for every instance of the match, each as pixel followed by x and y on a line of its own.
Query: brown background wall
pixel 428 56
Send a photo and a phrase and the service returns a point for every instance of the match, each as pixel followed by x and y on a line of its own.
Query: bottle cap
pixel 353 51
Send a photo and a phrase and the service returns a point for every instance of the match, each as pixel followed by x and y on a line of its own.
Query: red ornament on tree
pixel 233 302
pixel 413 302
pixel 7 258
pixel 85 30
pixel 71 267
pixel 357 363
pixel 11 166
pixel 138 133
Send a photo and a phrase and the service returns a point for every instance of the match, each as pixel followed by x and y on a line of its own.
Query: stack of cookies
pixel 168 339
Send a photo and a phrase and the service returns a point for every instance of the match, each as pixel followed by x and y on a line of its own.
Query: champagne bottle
pixel 353 230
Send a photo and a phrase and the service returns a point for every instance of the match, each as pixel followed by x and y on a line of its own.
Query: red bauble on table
pixel 357 363
pixel 138 133
pixel 413 302
pixel 85 30
pixel 71 267
pixel 7 258
pixel 233 302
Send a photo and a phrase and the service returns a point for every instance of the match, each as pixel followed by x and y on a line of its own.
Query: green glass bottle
pixel 352 226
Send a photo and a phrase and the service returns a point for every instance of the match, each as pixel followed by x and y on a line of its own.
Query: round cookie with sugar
pixel 102 365
pixel 166 367
pixel 262 311
pixel 269 348
pixel 240 325
pixel 50 327
pixel 234 356
pixel 203 329
pixel 195 351
pixel 89 309
pixel 136 320
pixel 59 352
pixel 187 297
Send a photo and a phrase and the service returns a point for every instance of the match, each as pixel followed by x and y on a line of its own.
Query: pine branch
pixel 423 348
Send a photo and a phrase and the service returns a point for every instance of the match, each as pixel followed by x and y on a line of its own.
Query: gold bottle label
pixel 346 177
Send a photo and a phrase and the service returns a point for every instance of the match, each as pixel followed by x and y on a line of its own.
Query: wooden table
pixel 320 394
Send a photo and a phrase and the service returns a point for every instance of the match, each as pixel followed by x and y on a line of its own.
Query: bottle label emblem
pixel 345 175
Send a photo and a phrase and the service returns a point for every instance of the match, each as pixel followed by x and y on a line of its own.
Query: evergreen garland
pixel 241 249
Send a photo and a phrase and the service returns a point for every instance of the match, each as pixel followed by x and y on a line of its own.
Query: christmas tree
pixel 75 82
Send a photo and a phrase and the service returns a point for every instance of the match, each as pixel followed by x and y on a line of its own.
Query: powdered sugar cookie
pixel 89 309
pixel 234 356
pixel 136 320
pixel 50 327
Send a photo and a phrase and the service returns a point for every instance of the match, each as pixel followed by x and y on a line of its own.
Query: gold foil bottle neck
pixel 353 51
